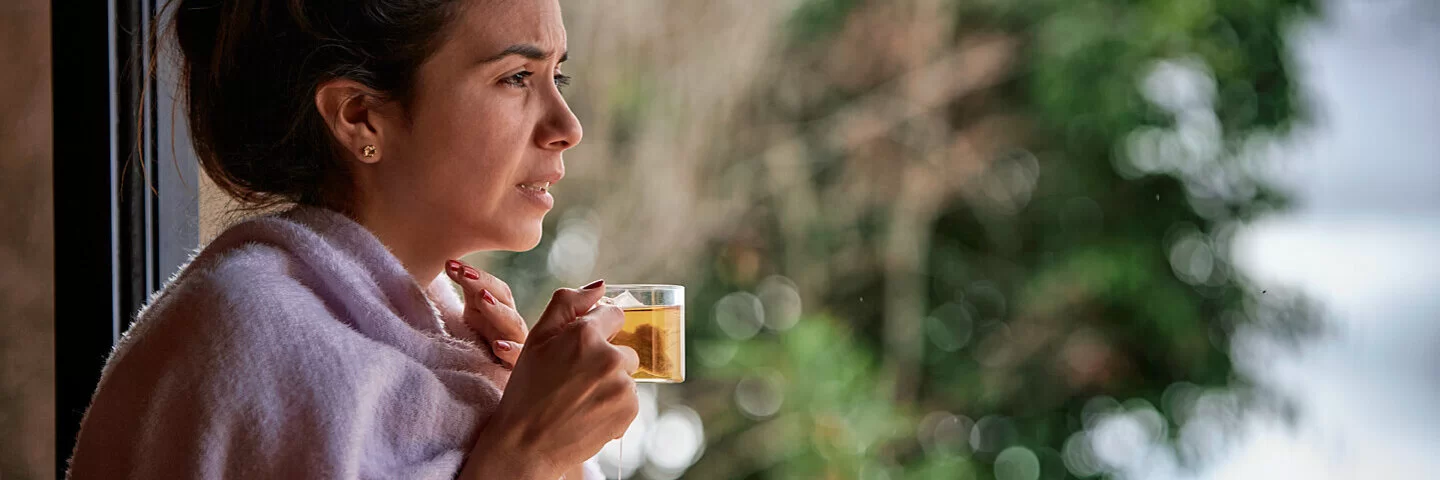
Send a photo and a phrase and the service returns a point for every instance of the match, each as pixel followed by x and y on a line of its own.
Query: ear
pixel 351 111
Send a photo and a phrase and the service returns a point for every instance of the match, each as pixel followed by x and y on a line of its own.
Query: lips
pixel 540 183
pixel 537 187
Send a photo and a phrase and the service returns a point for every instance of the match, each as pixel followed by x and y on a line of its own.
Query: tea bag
pixel 647 341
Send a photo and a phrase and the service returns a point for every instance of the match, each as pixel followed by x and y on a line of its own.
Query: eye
pixel 518 79
pixel 562 81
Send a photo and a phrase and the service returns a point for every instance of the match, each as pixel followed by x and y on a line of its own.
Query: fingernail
pixel 594 285
pixel 470 273
pixel 452 265
pixel 504 345
pixel 490 299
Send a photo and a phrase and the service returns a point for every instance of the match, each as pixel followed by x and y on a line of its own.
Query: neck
pixel 418 250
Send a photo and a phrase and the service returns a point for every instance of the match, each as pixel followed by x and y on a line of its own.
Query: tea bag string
pixel 620 463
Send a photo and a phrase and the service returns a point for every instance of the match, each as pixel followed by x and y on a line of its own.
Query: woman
pixel 327 341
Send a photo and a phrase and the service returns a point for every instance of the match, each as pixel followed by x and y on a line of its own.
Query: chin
pixel 529 244
pixel 523 239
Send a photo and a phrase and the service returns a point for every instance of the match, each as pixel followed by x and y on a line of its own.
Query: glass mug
pixel 654 327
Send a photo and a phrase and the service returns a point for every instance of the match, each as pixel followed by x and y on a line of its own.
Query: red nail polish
pixel 503 345
pixel 594 285
pixel 490 299
pixel 470 273
pixel 453 265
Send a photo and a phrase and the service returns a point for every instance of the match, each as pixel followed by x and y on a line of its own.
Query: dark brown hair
pixel 249 70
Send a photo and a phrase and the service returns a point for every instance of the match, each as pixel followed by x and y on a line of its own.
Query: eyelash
pixel 518 80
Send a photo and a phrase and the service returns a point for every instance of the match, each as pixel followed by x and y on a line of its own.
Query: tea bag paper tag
pixel 625 300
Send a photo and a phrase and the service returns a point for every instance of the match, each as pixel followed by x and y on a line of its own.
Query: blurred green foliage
pixel 989 209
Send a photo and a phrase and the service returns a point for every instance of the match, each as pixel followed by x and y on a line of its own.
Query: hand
pixel 490 311
pixel 570 393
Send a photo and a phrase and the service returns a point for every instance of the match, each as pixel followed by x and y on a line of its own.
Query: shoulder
pixel 254 269
pixel 250 309
pixel 231 290
pixel 237 355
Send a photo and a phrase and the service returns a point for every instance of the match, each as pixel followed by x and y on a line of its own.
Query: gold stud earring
pixel 368 151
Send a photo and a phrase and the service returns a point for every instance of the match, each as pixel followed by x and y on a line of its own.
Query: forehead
pixel 485 27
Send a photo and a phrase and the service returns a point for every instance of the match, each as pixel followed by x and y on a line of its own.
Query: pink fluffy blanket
pixel 292 346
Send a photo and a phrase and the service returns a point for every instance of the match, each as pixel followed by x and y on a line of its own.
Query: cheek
pixel 473 124
pixel 468 141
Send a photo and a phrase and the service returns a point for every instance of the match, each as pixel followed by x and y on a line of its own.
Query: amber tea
pixel 654 333
pixel 654 327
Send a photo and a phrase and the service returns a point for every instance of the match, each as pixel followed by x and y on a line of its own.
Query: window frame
pixel 126 208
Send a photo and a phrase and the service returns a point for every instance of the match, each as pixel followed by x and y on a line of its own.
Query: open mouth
pixel 536 187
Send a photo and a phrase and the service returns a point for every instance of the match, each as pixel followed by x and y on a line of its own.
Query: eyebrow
pixel 525 50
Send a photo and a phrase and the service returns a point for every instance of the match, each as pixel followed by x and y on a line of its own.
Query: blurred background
pixel 956 239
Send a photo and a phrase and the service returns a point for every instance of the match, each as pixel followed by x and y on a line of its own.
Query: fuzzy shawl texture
pixel 293 346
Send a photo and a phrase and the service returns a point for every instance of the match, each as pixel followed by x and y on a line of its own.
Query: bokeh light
pixel 993 433
pixel 1017 463
pixel 760 395
pixel 780 302
pixel 941 433
pixel 950 327
pixel 740 315
pixel 1079 456
pixel 677 440
pixel 577 242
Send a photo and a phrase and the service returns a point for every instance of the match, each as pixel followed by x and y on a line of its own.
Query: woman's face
pixel 485 132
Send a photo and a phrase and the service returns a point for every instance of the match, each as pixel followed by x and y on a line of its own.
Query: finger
pixel 624 398
pixel 508 352
pixel 586 297
pixel 565 306
pixel 503 292
pixel 630 360
pixel 606 320
pixel 486 314
pixel 473 281
pixel 494 321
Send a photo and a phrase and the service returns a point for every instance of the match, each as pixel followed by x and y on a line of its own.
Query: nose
pixel 559 129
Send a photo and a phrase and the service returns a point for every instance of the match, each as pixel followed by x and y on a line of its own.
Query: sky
pixel 1364 241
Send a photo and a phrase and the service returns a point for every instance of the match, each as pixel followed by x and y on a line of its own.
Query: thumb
pixel 507 351
pixel 565 306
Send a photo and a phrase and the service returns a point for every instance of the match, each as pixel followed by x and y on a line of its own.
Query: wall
pixel 27 257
